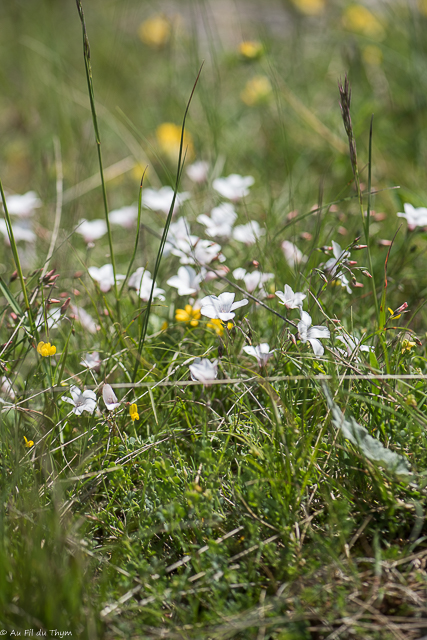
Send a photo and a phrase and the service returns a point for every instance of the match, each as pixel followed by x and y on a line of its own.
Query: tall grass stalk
pixel 165 230
pixel 88 69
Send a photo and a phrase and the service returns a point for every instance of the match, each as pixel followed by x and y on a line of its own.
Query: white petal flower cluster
pixel 161 199
pixel 310 334
pixel 248 233
pixel 104 276
pixel 92 230
pixel 254 281
pixel 204 370
pixel 141 281
pixel 81 400
pixel 220 223
pixel 193 250
pixel 187 281
pixel 233 187
pixel 290 299
pixel 293 255
pixel 22 206
pixel 414 217
pixel 124 217
pixel 262 353
pixel 22 232
pixel 220 307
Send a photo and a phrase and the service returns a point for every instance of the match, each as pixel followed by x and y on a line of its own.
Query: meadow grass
pixel 169 470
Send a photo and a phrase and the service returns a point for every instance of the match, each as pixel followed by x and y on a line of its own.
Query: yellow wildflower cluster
pixel 133 412
pixel 155 32
pixel 251 49
pixel 256 91
pixel 359 19
pixel 189 315
pixel 407 345
pixel 218 326
pixel 169 140
pixel 46 349
pixel 310 7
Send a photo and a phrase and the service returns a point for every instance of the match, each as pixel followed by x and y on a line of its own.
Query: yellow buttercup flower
pixel 169 138
pixel 46 349
pixel 359 19
pixel 189 315
pixel 155 32
pixel 133 412
pixel 256 91
pixel 218 326
pixel 28 443
pixel 310 7
pixel 251 49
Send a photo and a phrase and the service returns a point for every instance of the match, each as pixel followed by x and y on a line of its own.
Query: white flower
pixel 221 307
pixel 179 230
pixel 221 220
pixel 262 353
pixel 92 229
pixel 83 317
pixel 109 397
pixel 333 265
pixel 104 276
pixel 125 217
pixel 248 233
pixel 20 232
pixel 7 388
pixel 234 186
pixel 192 250
pixel 203 370
pixel 198 172
pixel 82 401
pixel 292 254
pixel 290 299
pixel 141 281
pixel 253 280
pixel 310 334
pixel 23 206
pixel 51 319
pixel 161 200
pixel 352 345
pixel 91 360
pixel 187 281
pixel 415 217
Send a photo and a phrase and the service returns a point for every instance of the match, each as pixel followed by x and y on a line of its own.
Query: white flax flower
pixel 187 281
pixel 221 220
pixel 414 217
pixel 198 171
pixel 290 299
pixel 141 281
pixel 92 229
pixel 253 280
pixel 262 353
pixel 161 200
pixel 293 255
pixel 310 334
pixel 23 206
pixel 221 307
pixel 124 217
pixel 82 400
pixel 248 233
pixel 109 397
pixel 104 276
pixel 203 370
pixel 233 187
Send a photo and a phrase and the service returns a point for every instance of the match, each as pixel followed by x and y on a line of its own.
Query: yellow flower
pixel 372 55
pixel 155 32
pixel 133 412
pixel 218 326
pixel 28 443
pixel 164 326
pixel 169 139
pixel 407 345
pixel 257 90
pixel 392 314
pixel 189 315
pixel 251 49
pixel 310 7
pixel 359 19
pixel 45 349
